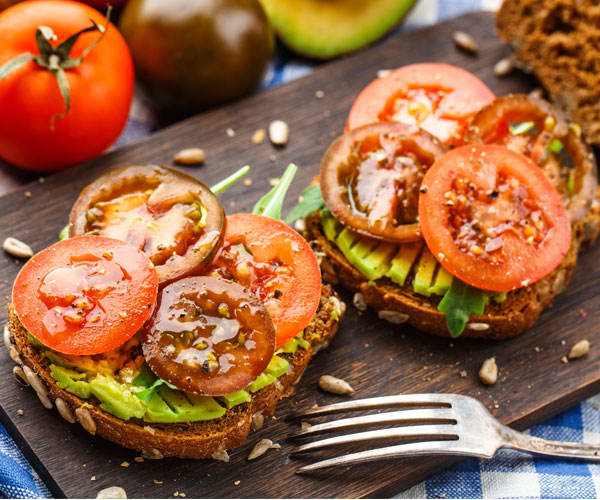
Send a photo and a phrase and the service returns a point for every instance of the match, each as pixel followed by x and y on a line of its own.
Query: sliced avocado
pixel 277 366
pixel 289 347
pixel 263 380
pixel 190 407
pixel 302 344
pixel 116 399
pixel 327 28
pixel 424 274
pixel 235 398
pixel 499 297
pixel 157 410
pixel 379 260
pixel 70 381
pixel 331 227
pixel 355 249
pixel 403 261
pixel 442 282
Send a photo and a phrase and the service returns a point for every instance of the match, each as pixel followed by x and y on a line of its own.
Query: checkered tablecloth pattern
pixel 509 474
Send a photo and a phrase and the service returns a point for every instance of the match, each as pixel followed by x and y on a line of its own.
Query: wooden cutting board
pixel 375 357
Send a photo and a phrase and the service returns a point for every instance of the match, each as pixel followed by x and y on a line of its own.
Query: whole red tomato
pixel 35 132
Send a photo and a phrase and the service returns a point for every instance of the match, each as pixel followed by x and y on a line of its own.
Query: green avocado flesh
pixel 327 28
pixel 397 262
pixel 86 378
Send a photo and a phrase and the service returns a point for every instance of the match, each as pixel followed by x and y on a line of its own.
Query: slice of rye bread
pixel 208 439
pixel 517 313
pixel 559 41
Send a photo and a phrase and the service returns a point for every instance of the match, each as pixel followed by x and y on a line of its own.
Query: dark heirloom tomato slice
pixel 440 98
pixel 85 295
pixel 538 130
pixel 172 217
pixel 370 179
pixel 277 264
pixel 492 218
pixel 208 336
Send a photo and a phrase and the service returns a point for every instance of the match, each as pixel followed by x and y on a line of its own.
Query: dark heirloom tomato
pixel 277 264
pixel 85 295
pixel 172 217
pixel 492 218
pixel 208 336
pixel 370 179
pixel 538 130
pixel 440 98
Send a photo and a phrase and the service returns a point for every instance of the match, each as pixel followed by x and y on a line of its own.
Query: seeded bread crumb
pixel 559 41
pixel 206 439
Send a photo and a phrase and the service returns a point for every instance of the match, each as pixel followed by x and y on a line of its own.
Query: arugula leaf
pixel 312 200
pixel 521 128
pixel 556 146
pixel 228 181
pixel 151 382
pixel 271 203
pixel 459 302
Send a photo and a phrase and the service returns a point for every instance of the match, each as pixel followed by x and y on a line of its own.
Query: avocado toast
pixel 473 241
pixel 228 349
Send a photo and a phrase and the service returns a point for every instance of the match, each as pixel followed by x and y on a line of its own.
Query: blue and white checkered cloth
pixel 509 474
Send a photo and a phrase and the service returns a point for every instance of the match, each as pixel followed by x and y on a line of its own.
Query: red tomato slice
pixel 440 98
pixel 277 264
pixel 85 295
pixel 492 218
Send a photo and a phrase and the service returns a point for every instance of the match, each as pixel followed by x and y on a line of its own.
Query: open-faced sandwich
pixel 163 325
pixel 449 209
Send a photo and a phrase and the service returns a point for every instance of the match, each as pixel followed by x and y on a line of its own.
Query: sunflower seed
pixel 45 400
pixel 382 73
pixel 86 420
pixel 190 156
pixel 34 381
pixel 478 327
pixel 259 136
pixel 17 248
pixel 335 385
pixel 261 448
pixel 221 455
pixel 7 341
pixel 65 410
pixel 504 67
pixel 359 301
pixel 14 355
pixel 580 349
pixel 112 492
pixel 488 373
pixel 465 42
pixel 394 317
pixel 257 421
pixel 279 132
pixel 19 375
pixel 153 454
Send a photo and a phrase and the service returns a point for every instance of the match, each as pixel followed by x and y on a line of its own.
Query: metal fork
pixel 441 424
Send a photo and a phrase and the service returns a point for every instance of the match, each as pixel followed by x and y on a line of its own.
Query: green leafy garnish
pixel 312 200
pixel 459 302
pixel 64 233
pixel 228 181
pixel 151 383
pixel 571 183
pixel 556 146
pixel 521 128
pixel 270 204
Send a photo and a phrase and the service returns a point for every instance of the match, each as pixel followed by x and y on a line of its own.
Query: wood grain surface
pixel 375 357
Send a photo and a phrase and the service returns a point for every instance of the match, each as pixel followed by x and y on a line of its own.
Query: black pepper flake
pixel 423 189
pixel 493 195
pixel 277 294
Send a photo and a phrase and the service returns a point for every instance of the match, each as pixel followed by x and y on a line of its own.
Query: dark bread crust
pixel 513 316
pixel 558 41
pixel 194 440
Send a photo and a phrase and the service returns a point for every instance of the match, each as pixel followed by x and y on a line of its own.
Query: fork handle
pixel 531 444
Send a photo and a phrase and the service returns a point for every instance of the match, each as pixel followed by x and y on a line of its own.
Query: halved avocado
pixel 327 28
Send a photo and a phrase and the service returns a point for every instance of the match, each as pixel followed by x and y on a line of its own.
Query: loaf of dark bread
pixel 208 439
pixel 559 41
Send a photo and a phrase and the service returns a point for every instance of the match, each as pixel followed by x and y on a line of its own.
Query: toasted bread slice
pixel 517 313
pixel 208 439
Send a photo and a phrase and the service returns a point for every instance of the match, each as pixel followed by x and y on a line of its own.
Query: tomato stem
pixel 57 59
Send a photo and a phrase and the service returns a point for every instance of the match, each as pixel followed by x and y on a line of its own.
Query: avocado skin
pixel 193 54
pixel 323 29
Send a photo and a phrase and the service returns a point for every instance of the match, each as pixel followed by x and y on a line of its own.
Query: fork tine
pixel 443 400
pixel 402 450
pixel 424 416
pixel 421 431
